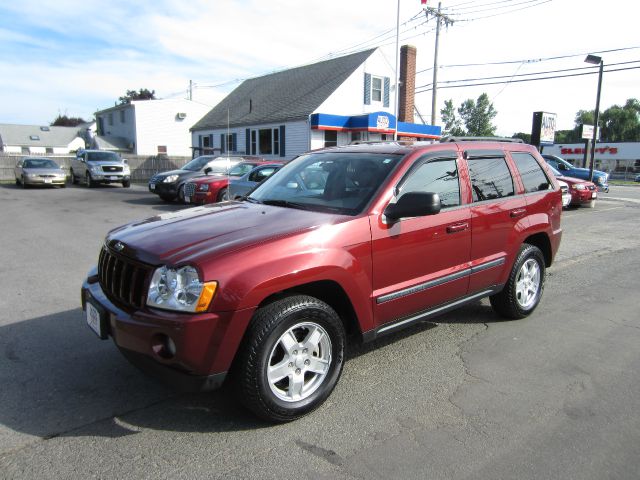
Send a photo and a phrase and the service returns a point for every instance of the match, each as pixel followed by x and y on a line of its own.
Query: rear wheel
pixel 523 290
pixel 291 358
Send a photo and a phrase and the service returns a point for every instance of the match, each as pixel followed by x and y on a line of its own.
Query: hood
pixel 585 171
pixel 106 162
pixel 194 234
pixel 210 178
pixel 571 180
pixel 179 172
pixel 44 171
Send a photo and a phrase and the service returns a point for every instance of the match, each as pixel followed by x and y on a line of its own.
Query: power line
pixel 482 10
pixel 505 13
pixel 530 79
pixel 527 74
pixel 534 60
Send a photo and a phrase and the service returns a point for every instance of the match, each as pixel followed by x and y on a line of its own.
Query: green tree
pixel 477 116
pixel 617 123
pixel 452 124
pixel 65 121
pixel 525 137
pixel 142 94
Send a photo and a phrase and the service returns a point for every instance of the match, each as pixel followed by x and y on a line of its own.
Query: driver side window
pixel 439 175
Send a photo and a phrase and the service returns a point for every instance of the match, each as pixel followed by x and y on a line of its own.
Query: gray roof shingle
pixel 288 95
pixel 20 135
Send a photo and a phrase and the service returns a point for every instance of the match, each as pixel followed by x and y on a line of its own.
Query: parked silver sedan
pixel 39 171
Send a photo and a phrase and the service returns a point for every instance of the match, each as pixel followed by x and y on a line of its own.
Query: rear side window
pixel 490 178
pixel 533 177
pixel 439 176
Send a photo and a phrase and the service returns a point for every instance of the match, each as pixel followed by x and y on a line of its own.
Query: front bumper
pixel 164 189
pixel 205 343
pixel 581 197
pixel 109 178
pixel 44 181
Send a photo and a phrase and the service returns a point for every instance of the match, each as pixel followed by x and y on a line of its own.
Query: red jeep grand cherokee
pixel 360 240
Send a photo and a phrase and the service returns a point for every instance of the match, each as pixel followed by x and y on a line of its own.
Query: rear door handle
pixel 518 212
pixel 458 227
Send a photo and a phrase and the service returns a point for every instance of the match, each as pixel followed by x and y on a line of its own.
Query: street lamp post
pixel 595 60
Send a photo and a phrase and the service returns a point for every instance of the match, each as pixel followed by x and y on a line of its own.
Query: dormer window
pixel 34 137
pixel 376 90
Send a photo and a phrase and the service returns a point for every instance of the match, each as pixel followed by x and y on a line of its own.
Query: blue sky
pixel 76 57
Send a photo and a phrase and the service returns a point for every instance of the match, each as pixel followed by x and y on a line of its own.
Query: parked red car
pixel 357 241
pixel 583 192
pixel 215 188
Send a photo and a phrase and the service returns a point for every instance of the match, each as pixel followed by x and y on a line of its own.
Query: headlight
pixel 180 289
pixel 579 186
pixel 95 169
pixel 203 187
pixel 126 169
pixel 599 180
pixel 33 175
pixel 170 179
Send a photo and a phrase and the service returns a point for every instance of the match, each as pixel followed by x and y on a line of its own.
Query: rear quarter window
pixel 533 177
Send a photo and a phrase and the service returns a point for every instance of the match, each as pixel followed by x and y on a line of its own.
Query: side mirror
pixel 125 161
pixel 414 204
pixel 207 170
pixel 562 166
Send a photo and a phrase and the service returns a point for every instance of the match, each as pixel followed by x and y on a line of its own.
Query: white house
pixel 149 127
pixel 40 140
pixel 335 102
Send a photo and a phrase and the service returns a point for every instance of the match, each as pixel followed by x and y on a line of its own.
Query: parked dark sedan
pixel 169 185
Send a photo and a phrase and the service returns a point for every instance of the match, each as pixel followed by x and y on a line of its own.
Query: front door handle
pixel 458 227
pixel 518 212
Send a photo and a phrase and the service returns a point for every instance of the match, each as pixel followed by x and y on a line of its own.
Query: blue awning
pixel 378 122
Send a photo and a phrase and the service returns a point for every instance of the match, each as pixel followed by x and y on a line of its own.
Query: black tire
pixel 88 181
pixel 64 185
pixel 126 183
pixel 181 194
pixel 25 185
pixel 528 273
pixel 291 317
pixel 74 179
pixel 17 182
pixel 223 195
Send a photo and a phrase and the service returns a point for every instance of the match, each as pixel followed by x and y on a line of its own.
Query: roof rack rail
pixel 481 139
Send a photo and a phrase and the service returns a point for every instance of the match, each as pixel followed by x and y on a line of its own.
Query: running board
pixel 422 316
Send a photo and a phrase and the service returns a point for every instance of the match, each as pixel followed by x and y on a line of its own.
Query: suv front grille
pixel 121 279
pixel 189 189
pixel 111 169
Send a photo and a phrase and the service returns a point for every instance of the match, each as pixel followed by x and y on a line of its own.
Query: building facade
pixel 331 103
pixel 149 127
pixel 40 140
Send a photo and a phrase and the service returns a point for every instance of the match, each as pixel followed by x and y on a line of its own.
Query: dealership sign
pixel 543 130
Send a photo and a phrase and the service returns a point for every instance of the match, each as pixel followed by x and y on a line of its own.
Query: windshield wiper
pixel 288 204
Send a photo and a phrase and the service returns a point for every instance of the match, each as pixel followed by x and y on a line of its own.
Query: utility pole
pixel 190 89
pixel 441 19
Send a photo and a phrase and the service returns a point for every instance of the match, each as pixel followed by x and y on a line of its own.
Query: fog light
pixel 163 346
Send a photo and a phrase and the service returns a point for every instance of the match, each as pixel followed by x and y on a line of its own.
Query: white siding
pixel 348 99
pixel 157 124
pixel 296 138
pixel 126 130
pixel 12 149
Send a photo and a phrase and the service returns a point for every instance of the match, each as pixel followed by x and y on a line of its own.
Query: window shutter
pixel 367 89
pixel 211 142
pixel 222 143
pixel 234 142
pixel 282 152
pixel 200 141
pixel 247 142
pixel 386 92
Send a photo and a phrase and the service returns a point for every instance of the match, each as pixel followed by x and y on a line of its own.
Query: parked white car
pixel 98 166
pixel 566 194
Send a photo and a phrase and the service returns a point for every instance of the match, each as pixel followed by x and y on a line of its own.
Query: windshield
pixel 554 171
pixel 40 163
pixel 240 169
pixel 102 157
pixel 198 163
pixel 327 182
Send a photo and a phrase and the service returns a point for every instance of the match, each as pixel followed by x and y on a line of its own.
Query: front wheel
pixel 88 181
pixel 126 183
pixel 223 195
pixel 291 358
pixel 523 290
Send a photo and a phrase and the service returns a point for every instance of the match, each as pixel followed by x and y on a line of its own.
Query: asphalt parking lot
pixel 555 395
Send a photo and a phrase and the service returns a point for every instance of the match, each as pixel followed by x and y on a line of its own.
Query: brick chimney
pixel 406 98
